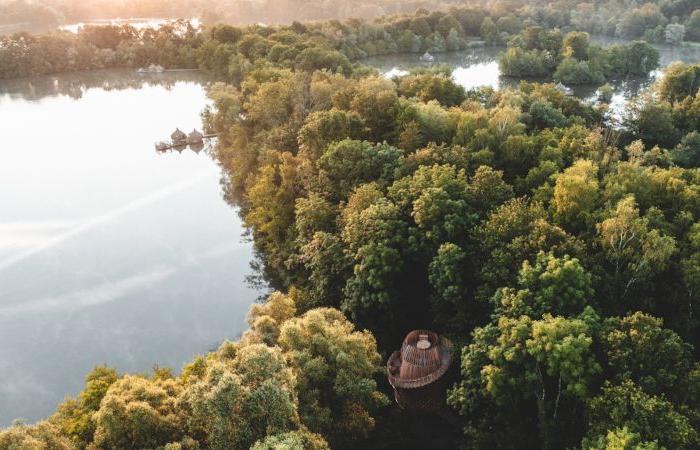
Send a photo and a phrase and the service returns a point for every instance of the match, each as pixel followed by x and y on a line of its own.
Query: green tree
pixel 292 440
pixel 448 23
pixel 572 71
pixel 420 27
pixel 334 366
pixel 74 417
pixel 446 273
pixel 687 153
pixel 267 318
pixel 324 257
pixel 518 62
pixel 619 439
pixel 41 436
pixel 576 44
pixel 488 31
pixel 515 232
pixel 439 201
pixel 376 238
pixel 674 34
pixel 322 128
pixel 693 26
pixel 428 87
pixel 679 81
pixel 552 285
pixel 638 348
pixel 347 164
pixel 240 395
pixel 576 193
pixel 271 210
pixel 138 412
pixel 635 252
pixel 653 418
pixel 548 361
pixel 376 101
pixel 543 114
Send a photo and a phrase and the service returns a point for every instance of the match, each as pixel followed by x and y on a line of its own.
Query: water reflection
pixel 74 85
pixel 472 68
pixel 110 253
pixel 478 67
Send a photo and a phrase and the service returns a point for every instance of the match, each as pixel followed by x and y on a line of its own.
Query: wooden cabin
pixel 178 137
pixel 419 372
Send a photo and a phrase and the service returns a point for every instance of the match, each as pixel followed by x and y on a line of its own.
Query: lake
pixel 110 253
pixel 477 67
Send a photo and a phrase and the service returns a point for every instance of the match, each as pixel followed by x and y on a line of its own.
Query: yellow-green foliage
pixel 335 366
pixel 42 436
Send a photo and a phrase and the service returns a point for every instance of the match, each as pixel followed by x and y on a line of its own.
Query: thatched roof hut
pixel 195 137
pixel 178 136
pixel 418 373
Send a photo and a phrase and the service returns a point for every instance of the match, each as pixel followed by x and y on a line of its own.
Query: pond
pixel 110 253
pixel 477 67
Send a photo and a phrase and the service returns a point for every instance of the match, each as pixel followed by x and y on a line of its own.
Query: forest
pixel 557 247
pixel 655 20
pixel 181 44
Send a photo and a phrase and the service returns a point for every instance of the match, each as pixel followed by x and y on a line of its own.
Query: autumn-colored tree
pixel 576 194
pixel 241 394
pixel 335 366
pixel 635 252
pixel 138 412
pixel 75 416
pixel 41 436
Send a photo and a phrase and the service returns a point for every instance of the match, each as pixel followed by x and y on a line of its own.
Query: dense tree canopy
pixel 572 59
pixel 290 382
pixel 558 249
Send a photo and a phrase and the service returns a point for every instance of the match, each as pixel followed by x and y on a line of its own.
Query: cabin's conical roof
pixel 178 135
pixel 425 356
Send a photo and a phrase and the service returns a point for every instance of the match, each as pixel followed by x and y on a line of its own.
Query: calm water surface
pixel 478 67
pixel 109 252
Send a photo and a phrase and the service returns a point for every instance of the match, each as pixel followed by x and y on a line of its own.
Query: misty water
pixel 476 67
pixel 110 253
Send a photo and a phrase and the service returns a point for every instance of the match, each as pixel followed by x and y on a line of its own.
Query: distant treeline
pixel 43 15
pixel 228 51
pixel 655 20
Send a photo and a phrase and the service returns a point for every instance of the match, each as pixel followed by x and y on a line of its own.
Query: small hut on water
pixel 419 371
pixel 178 137
pixel 195 137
